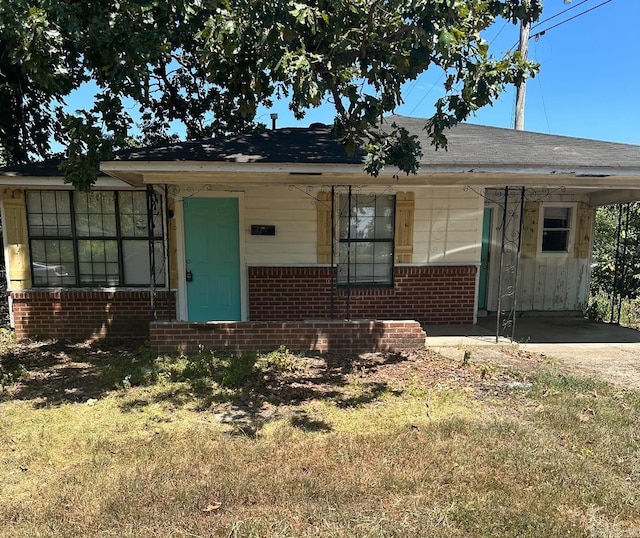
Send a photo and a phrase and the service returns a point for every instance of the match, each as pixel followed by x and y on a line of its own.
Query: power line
pixel 534 36
pixel 539 34
pixel 413 85
pixel 500 31
pixel 544 105
pixel 559 13
pixel 427 93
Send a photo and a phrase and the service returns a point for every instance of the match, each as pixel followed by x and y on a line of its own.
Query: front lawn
pixel 110 440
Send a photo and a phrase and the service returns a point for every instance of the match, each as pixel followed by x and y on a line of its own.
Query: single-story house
pixel 280 233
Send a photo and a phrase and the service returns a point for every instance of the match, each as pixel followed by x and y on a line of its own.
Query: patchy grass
pixel 110 440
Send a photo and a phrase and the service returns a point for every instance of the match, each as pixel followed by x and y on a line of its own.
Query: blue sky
pixel 588 85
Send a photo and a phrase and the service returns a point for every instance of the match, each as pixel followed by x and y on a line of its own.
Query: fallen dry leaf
pixel 212 507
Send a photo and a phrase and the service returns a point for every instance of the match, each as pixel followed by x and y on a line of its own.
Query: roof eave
pixel 138 173
pixel 56 182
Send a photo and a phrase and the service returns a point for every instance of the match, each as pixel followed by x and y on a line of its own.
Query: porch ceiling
pixel 614 196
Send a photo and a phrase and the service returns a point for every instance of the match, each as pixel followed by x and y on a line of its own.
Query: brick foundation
pixel 430 295
pixel 86 313
pixel 321 336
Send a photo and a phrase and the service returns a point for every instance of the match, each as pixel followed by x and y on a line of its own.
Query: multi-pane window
pixel 365 253
pixel 98 238
pixel 556 228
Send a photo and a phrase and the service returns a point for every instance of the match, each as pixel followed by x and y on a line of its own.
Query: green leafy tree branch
pixel 209 64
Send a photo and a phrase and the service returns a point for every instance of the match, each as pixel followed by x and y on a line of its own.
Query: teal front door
pixel 212 259
pixel 484 258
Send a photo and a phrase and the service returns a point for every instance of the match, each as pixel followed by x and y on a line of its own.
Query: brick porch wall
pixel 322 336
pixel 86 313
pixel 430 295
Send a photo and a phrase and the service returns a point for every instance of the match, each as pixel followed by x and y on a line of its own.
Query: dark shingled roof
pixel 481 146
pixel 46 168
pixel 470 146
pixel 313 144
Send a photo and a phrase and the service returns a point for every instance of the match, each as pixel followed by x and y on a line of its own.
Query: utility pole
pixel 521 87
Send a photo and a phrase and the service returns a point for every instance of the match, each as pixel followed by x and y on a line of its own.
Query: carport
pixel 536 330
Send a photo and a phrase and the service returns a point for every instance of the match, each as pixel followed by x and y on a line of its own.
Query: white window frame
pixel 573 207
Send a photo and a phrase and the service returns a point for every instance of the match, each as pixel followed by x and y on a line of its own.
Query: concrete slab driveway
pixel 601 350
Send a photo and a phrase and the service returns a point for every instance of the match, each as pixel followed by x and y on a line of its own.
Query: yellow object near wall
pixel 529 238
pixel 17 247
pixel 405 208
pixel 584 228
pixel 325 228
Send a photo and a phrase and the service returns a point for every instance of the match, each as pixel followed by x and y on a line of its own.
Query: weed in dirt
pixel 11 368
pixel 10 372
pixel 282 360
pixel 208 368
pixel 487 370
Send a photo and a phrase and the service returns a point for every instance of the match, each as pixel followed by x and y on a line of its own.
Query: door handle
pixel 189 275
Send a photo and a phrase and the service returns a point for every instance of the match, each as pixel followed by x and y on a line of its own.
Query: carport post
pixel 504 233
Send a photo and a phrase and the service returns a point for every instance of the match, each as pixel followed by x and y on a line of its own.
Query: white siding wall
pixel 294 216
pixel 553 284
pixel 550 282
pixel 447 226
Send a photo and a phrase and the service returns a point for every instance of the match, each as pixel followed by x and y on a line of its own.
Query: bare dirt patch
pixel 615 363
pixel 59 371
pixel 66 372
